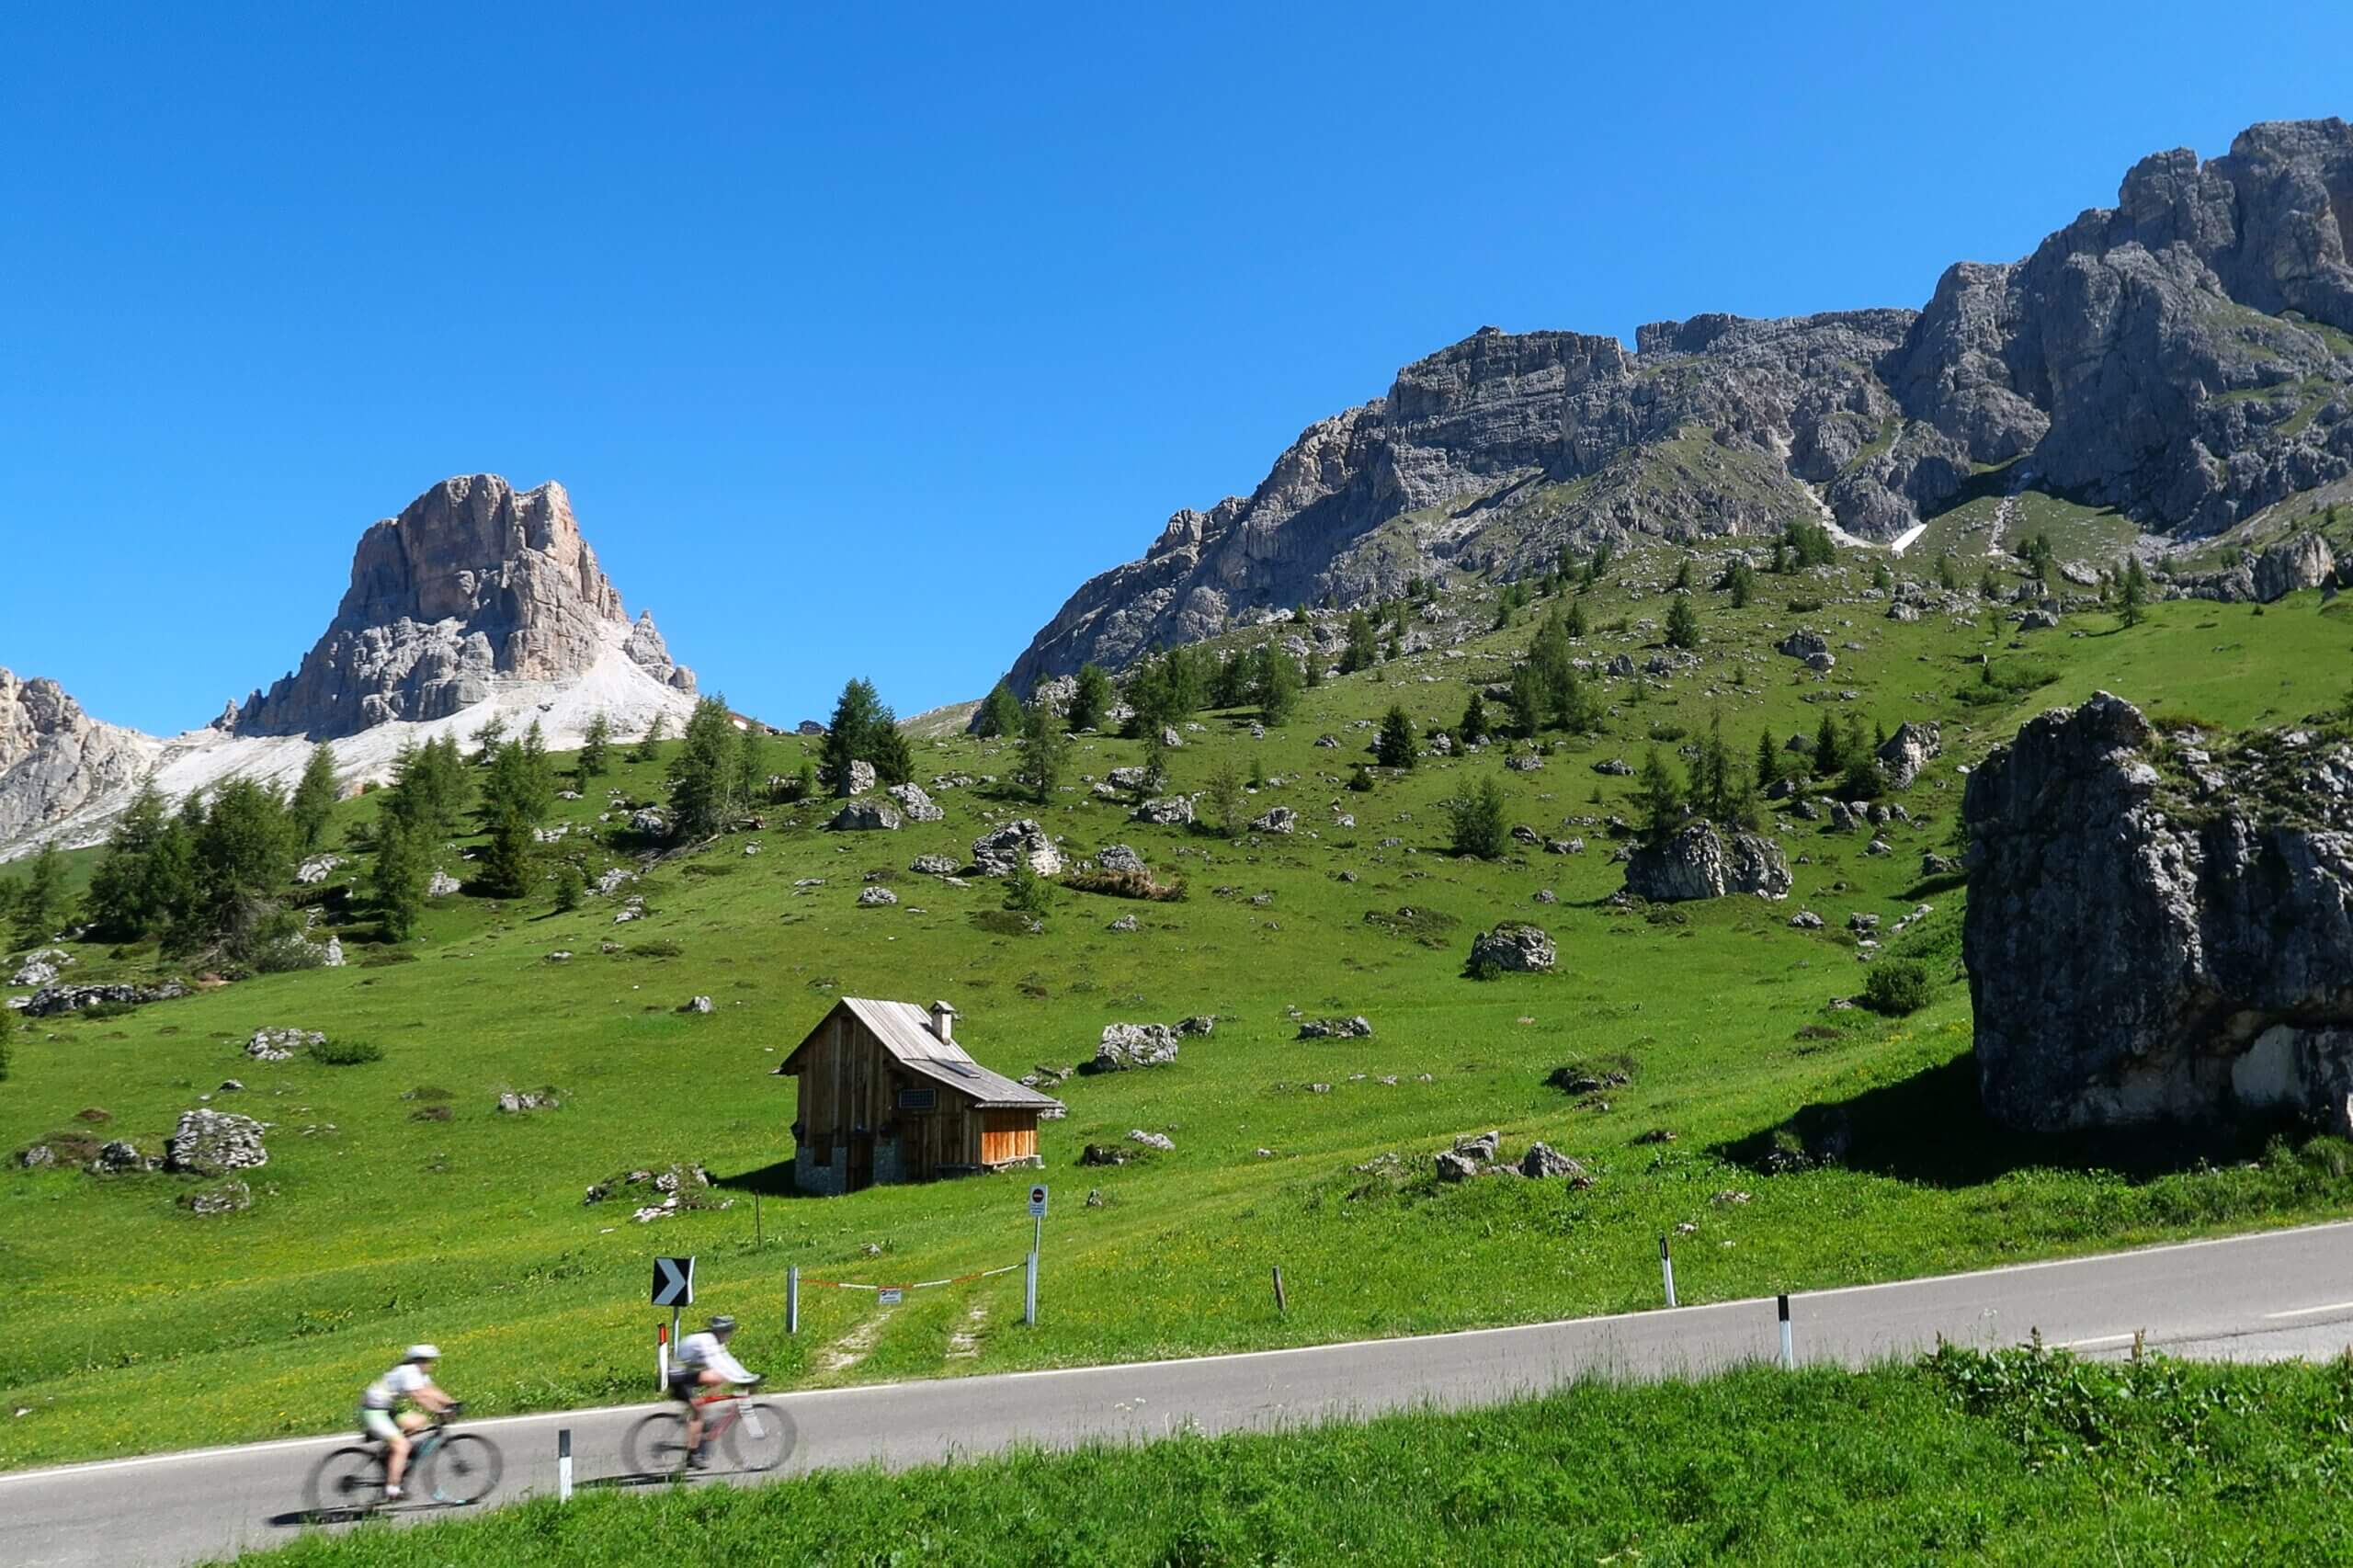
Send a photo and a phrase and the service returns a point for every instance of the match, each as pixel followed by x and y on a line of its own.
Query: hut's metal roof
pixel 904 1029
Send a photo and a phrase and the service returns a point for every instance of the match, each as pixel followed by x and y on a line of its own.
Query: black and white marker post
pixel 563 1464
pixel 1666 1269
pixel 1789 1346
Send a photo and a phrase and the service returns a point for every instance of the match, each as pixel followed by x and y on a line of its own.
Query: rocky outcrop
pixel 2180 356
pixel 2157 931
pixel 56 761
pixel 473 585
pixel 1906 753
pixel 997 852
pixel 1514 946
pixel 2292 566
pixel 1703 862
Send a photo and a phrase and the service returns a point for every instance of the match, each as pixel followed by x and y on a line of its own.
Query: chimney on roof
pixel 943 1022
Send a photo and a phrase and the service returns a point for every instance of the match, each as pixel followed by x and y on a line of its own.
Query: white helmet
pixel 423 1353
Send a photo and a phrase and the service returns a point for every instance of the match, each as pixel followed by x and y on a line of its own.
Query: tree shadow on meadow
pixel 1931 1129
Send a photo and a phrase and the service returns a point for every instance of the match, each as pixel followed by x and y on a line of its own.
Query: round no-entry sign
pixel 1037 1201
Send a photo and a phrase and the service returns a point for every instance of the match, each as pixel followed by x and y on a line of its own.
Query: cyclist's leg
pixel 397 1451
pixel 379 1424
pixel 703 1380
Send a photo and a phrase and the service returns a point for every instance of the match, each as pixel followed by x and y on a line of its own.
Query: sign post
pixel 1788 1346
pixel 563 1464
pixel 1037 1241
pixel 792 1298
pixel 673 1287
pixel 1666 1269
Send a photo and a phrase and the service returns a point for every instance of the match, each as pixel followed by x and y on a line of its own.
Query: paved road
pixel 2278 1294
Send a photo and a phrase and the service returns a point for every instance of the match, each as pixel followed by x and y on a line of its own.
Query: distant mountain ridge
pixel 2185 356
pixel 477 603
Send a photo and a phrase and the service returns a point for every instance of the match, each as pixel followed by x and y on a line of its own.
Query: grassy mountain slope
pixel 132 1324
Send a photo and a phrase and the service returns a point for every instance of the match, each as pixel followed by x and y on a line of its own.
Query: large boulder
pixel 861 777
pixel 864 816
pixel 1134 1045
pixel 916 805
pixel 1278 819
pixel 1514 946
pixel 2303 562
pixel 1122 859
pixel 2159 934
pixel 1702 862
pixel 1804 645
pixel 41 967
pixel 996 852
pixel 1910 749
pixel 1166 810
pixel 209 1143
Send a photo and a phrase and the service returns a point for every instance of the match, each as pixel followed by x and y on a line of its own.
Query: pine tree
pixel 569 885
pixel 1277 688
pixel 1531 701
pixel 1574 623
pixel 1658 795
pixel 596 748
pixel 1882 578
pixel 1395 748
pixel 1000 713
pixel 146 878
pixel 893 759
pixel 403 864
pixel 1477 821
pixel 656 733
pixel 43 905
pixel 1361 645
pixel 858 718
pixel 705 774
pixel 1948 572
pixel 1829 756
pixel 1474 727
pixel 2136 591
pixel 1683 576
pixel 243 858
pixel 1768 760
pixel 1045 751
pixel 1027 893
pixel 315 799
pixel 1222 791
pixel 487 741
pixel 1682 623
pixel 1988 588
pixel 1092 698
pixel 1741 582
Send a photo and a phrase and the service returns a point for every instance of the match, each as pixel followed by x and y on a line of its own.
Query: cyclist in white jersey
pixel 703 1362
pixel 381 1418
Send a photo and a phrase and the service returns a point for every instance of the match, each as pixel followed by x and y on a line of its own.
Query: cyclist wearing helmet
pixel 703 1362
pixel 381 1417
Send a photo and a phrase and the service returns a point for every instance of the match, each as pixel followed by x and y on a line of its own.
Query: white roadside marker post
pixel 1667 1270
pixel 1789 1346
pixel 563 1464
pixel 792 1299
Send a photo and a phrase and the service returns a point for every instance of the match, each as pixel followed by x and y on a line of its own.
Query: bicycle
pixel 755 1435
pixel 454 1469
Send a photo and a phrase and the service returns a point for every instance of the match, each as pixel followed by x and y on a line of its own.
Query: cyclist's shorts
pixel 685 1382
pixel 377 1424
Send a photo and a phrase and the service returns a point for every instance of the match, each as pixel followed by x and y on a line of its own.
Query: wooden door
pixel 861 1163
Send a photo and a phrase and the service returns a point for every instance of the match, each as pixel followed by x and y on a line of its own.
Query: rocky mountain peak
pixel 475 584
pixel 55 759
pixel 2186 357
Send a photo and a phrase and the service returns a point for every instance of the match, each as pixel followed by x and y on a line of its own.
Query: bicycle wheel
pixel 463 1469
pixel 348 1481
pixel 656 1445
pixel 760 1438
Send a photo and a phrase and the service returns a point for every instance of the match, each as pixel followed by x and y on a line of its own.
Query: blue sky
pixel 861 335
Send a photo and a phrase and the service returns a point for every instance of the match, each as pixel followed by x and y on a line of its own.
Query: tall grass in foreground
pixel 2019 1456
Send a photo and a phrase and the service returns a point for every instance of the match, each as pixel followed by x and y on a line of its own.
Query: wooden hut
pixel 887 1096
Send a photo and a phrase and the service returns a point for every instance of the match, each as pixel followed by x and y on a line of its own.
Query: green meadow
pixel 400 1204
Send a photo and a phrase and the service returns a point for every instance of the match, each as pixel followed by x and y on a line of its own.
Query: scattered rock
pixel 1125 922
pixel 1356 1028
pixel 515 1102
pixel 208 1142
pixel 1280 819
pixel 934 866
pixel 1542 1161
pixel 996 852
pixel 281 1045
pixel 875 897
pixel 52 1000
pixel 1152 1141
pixel 914 805
pixel 864 816
pixel 1121 857
pixel 1910 749
pixel 228 1196
pixel 697 1005
pixel 1806 920
pixel 441 884
pixel 1168 810
pixel 1514 946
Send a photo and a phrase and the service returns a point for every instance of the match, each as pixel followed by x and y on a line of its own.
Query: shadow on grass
pixel 1931 1129
pixel 769 1181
